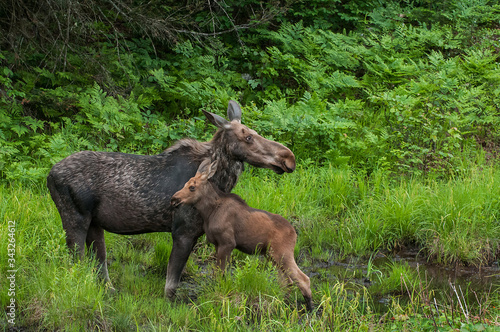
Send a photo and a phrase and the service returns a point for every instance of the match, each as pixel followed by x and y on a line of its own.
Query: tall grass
pixel 454 220
pixel 337 212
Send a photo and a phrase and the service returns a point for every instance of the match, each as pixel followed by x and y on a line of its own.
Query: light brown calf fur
pixel 230 223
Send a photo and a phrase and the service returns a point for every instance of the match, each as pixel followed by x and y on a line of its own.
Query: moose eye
pixel 249 138
pixel 192 188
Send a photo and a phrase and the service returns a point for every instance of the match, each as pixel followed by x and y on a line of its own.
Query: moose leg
pixel 74 223
pixel 186 229
pixel 75 240
pixel 181 249
pixel 96 244
pixel 76 226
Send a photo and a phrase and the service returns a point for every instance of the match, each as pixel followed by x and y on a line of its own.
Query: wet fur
pixel 230 223
pixel 127 194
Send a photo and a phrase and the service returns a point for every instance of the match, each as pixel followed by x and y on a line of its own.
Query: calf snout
pixel 175 201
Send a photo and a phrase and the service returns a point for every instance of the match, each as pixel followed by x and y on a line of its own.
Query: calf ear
pixel 212 169
pixel 234 111
pixel 216 120
pixel 204 167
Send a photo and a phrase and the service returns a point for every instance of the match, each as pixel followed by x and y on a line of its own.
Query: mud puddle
pixel 469 281
pixel 477 278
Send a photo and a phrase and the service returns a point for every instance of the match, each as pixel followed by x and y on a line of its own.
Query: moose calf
pixel 230 223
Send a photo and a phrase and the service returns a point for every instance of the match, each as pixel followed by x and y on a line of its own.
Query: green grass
pixel 336 209
pixel 338 213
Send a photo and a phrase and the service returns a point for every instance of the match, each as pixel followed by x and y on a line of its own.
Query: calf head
pixel 197 187
pixel 246 145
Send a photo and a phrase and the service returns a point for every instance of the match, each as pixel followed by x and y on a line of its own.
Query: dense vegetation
pixel 391 107
pixel 410 88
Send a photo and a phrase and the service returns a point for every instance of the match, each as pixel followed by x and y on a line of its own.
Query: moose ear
pixel 216 120
pixel 234 111
pixel 212 169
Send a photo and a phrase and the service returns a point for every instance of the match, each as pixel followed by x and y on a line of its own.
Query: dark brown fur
pixel 230 223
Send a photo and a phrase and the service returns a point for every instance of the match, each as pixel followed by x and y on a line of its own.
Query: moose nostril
pixel 289 163
pixel 289 168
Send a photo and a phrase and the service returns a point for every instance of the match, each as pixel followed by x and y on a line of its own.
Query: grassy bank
pixel 337 213
pixel 453 221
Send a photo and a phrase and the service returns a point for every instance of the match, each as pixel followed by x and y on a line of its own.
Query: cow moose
pixel 230 223
pixel 127 194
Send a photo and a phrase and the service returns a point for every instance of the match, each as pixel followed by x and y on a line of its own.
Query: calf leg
pixel 289 268
pixel 223 253
pixel 96 244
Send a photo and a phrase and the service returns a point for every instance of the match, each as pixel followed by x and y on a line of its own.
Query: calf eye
pixel 192 188
pixel 249 138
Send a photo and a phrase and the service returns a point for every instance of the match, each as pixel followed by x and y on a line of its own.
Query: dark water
pixel 478 278
pixel 476 284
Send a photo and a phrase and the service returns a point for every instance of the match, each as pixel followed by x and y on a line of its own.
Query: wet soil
pixel 479 278
pixel 475 282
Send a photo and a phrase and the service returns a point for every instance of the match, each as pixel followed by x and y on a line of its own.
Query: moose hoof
pixel 170 288
pixel 109 287
pixel 169 293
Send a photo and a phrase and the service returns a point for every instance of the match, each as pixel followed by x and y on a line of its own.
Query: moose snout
pixel 289 162
pixel 284 162
pixel 289 167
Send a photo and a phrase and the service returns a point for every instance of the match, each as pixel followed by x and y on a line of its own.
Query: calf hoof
pixel 309 304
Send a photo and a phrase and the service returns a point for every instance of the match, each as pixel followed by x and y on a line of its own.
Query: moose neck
pixel 228 168
pixel 209 203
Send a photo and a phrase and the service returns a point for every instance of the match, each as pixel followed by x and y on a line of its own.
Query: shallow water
pixel 478 278
pixel 469 281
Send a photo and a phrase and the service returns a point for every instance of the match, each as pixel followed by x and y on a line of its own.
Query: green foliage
pixel 395 277
pixel 391 109
pixel 312 128
pixel 406 99
pixel 398 91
